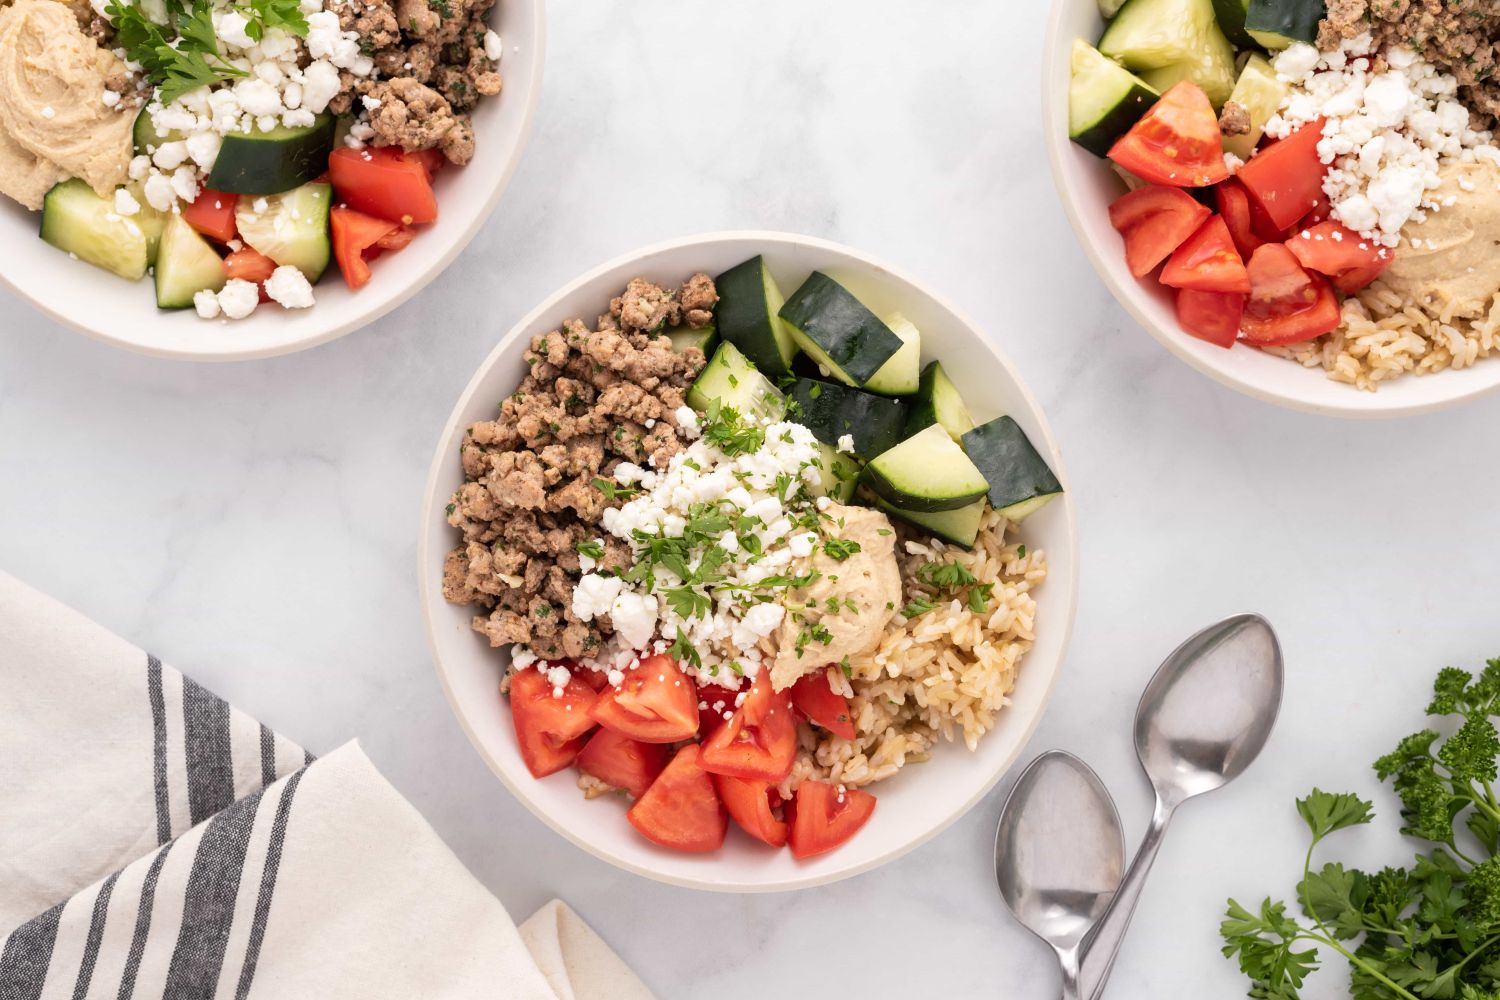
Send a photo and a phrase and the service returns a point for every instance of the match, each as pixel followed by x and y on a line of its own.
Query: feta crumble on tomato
pixel 1385 135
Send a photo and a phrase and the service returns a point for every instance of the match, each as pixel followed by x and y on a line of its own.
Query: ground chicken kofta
pixel 593 399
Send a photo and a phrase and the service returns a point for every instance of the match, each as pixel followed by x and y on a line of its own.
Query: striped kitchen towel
pixel 157 843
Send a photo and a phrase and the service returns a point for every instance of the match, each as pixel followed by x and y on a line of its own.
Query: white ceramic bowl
pixel 118 312
pixel 1087 185
pixel 913 806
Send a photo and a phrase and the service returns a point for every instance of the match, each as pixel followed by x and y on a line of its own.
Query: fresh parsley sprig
pixel 1429 932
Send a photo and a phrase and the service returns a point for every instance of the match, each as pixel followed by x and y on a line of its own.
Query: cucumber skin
pixel 875 425
pixel 1231 17
pixel 250 165
pixel 743 316
pixel 1007 458
pixel 861 343
pixel 875 477
pixel 1269 22
pixel 961 526
pixel 924 405
pixel 1103 134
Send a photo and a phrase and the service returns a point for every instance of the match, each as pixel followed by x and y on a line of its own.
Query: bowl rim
pixel 1057 46
pixel 362 319
pixel 507 344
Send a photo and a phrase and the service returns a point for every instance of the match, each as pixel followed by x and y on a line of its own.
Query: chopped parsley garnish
pixel 725 429
pixel 919 606
pixel 682 649
pixel 842 548
pixel 613 491
pixel 592 549
pixel 813 633
pixel 184 55
pixel 844 666
pixel 979 597
pixel 688 603
pixel 1021 552
pixel 945 576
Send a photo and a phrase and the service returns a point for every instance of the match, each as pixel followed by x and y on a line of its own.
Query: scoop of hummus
pixel 52 83
pixel 844 610
pixel 1453 256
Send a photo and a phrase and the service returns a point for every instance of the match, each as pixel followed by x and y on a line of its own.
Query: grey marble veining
pixel 255 524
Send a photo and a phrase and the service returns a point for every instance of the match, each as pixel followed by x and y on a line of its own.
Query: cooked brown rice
pixel 1383 335
pixel 945 673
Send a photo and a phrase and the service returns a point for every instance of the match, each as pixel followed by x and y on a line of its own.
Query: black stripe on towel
pixel 267 886
pixel 27 954
pixel 267 757
pixel 96 935
pixel 208 907
pixel 206 743
pixel 158 749
pixel 142 924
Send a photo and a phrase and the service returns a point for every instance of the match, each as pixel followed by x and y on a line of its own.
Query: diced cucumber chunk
pixel 79 222
pixel 1260 92
pixel 685 337
pixel 838 474
pixel 271 162
pixel 1231 17
pixel 748 317
pixel 938 402
pixel 830 410
pixel 290 228
pixel 960 526
pixel 185 265
pixel 899 376
pixel 1020 480
pixel 927 472
pixel 1104 99
pixel 730 378
pixel 837 331
pixel 145 136
pixel 1278 24
pixel 1179 36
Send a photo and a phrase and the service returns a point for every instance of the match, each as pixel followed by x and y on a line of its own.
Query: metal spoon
pixel 1203 718
pixel 1059 853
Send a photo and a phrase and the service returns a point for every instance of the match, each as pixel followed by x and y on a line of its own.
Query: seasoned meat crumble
pixel 593 399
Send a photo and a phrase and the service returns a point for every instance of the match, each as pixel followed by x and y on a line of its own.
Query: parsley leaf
pixel 841 548
pixel 593 549
pixel 945 576
pixel 178 59
pixel 682 649
pixel 613 491
pixel 919 606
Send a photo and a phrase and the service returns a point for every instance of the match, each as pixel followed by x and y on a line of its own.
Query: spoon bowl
pixel 1059 854
pixel 1210 708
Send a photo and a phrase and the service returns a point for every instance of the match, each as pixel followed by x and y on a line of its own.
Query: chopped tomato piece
pixel 1177 142
pixel 212 214
pixel 1234 207
pixel 383 182
pixel 1285 179
pixel 760 741
pixel 1321 212
pixel 356 239
pixel 549 729
pixel 655 703
pixel 1211 316
pixel 1345 256
pixel 823 816
pixel 815 698
pixel 715 706
pixel 249 264
pixel 681 810
pixel 622 762
pixel 1155 221
pixel 1208 262
pixel 749 804
pixel 432 161
pixel 397 239
pixel 1287 303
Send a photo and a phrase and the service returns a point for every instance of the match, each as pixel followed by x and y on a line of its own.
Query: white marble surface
pixel 255 524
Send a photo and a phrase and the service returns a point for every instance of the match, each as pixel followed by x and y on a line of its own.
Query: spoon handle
pixel 1101 949
pixel 1070 972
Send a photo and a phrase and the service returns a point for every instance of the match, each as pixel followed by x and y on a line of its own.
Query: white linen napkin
pixel 156 842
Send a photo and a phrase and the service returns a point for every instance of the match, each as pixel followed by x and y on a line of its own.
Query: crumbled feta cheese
pixel 634 617
pixel 111 99
pixel 140 166
pixel 289 287
pixel 170 155
pixel 1385 136
pixel 846 444
pixel 125 203
pixel 207 304
pixel 239 298
pixel 595 595
pixel 494 48
pixel 687 419
pixel 185 183
pixel 231 27
pixel 320 84
pixel 159 193
pixel 48 113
